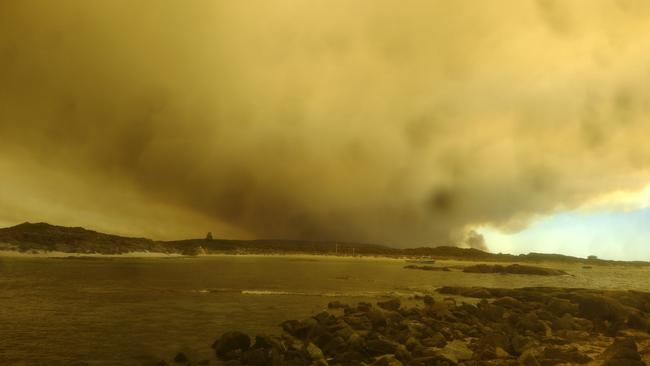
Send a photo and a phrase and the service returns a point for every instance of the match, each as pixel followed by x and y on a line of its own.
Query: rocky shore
pixel 427 268
pixel 514 269
pixel 528 326
pixel 519 269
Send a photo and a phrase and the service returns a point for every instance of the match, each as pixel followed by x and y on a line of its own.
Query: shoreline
pixel 523 326
pixel 56 254
pixel 145 255
pixel 455 263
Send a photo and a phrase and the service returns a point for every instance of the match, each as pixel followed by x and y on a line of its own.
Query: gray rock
pixel 381 346
pixel 513 269
pixel 528 359
pixel 180 358
pixel 336 305
pixel 622 352
pixel 392 304
pixel 565 355
pixel 456 350
pixel 231 341
pixel 508 302
pixel 314 352
pixel 428 300
pixel 387 360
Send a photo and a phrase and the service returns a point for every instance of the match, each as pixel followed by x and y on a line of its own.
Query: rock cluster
pixel 427 268
pixel 514 269
pixel 529 326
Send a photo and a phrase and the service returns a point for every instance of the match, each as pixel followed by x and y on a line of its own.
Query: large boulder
pixel 605 312
pixel 392 304
pixel 231 342
pixel 559 307
pixel 314 352
pixel 299 329
pixel 180 358
pixel 622 352
pixel 528 358
pixel 559 355
pixel 428 300
pixel 508 302
pixel 381 346
pixel 337 305
pixel 261 357
pixel 387 360
pixel 456 351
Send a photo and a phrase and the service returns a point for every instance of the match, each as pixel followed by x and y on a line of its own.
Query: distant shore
pixel 58 254
pixel 441 263
pixel 46 240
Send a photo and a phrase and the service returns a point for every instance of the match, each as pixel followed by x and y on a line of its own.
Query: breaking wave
pixel 267 292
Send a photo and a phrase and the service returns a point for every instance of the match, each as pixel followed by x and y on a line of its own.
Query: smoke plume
pixel 405 123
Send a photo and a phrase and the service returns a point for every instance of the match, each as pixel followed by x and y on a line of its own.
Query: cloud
pixel 366 121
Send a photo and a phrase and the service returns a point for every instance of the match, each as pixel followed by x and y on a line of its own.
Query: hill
pixel 45 237
pixel 27 237
pixel 279 246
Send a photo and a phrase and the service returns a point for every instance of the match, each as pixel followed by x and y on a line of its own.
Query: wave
pixel 266 292
pixel 295 293
pixel 216 290
pixel 272 292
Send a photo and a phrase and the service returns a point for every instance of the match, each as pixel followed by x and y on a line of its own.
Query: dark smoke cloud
pixel 366 121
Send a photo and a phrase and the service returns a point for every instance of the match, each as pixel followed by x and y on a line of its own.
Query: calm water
pixel 126 311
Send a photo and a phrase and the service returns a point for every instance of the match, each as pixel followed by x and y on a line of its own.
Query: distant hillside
pixel 45 237
pixel 450 252
pixel 277 245
pixel 475 254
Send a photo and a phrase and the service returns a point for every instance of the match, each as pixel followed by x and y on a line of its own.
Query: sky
pixel 407 124
pixel 619 236
pixel 616 226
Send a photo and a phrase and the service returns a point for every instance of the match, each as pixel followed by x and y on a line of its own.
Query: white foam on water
pixel 271 292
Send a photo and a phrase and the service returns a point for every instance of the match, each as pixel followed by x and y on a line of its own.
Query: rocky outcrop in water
pixel 513 269
pixel 427 268
pixel 529 326
pixel 231 343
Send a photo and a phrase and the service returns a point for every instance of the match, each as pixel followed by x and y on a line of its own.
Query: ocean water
pixel 124 311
